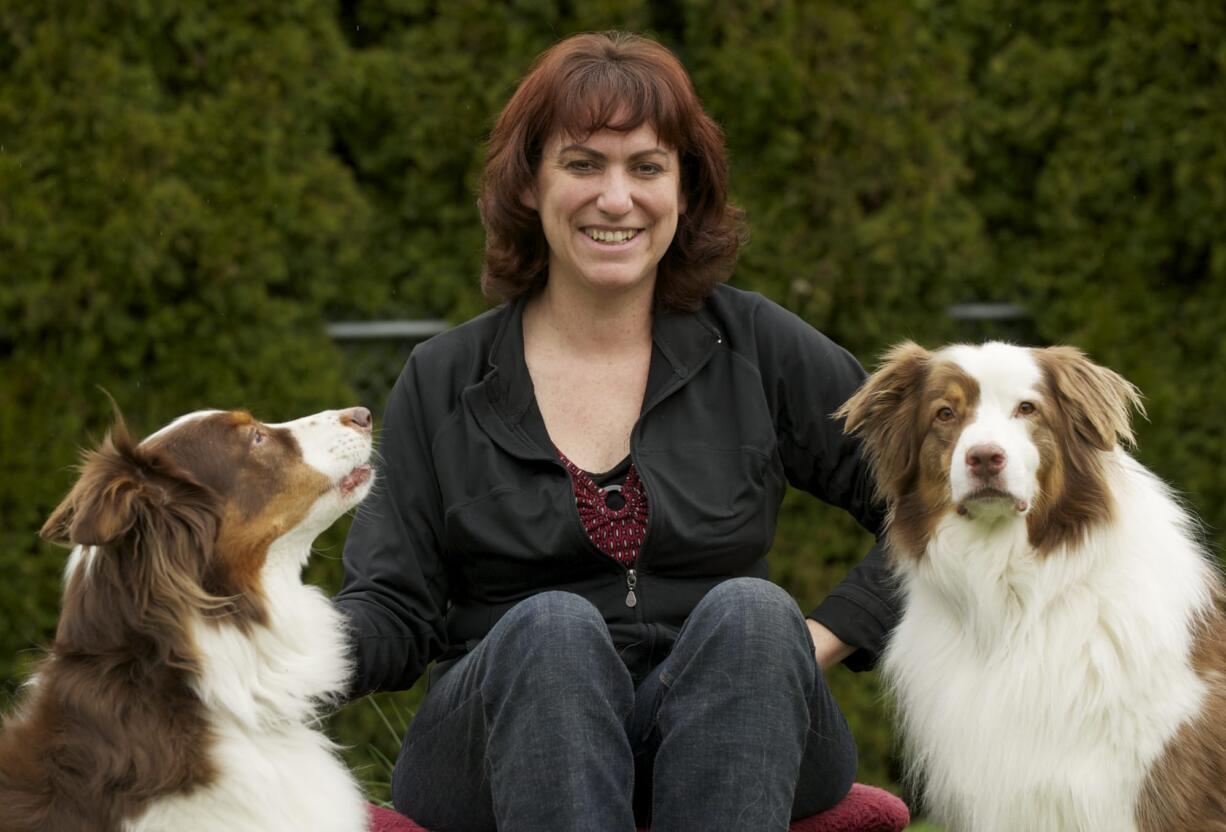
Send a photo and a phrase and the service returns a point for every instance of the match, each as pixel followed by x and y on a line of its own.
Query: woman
pixel 581 487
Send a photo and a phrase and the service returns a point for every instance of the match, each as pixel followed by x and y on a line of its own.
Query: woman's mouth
pixel 611 237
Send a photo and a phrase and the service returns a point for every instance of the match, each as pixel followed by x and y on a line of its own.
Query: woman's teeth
pixel 610 236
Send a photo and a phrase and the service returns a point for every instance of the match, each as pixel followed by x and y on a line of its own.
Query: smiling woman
pixel 623 85
pixel 581 489
pixel 608 205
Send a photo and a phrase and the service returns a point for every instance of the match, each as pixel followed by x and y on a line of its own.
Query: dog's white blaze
pixel 187 417
pixel 1007 376
pixel 1036 692
pixel 333 449
pixel 328 445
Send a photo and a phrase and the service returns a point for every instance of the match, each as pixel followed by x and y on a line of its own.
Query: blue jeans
pixel 540 727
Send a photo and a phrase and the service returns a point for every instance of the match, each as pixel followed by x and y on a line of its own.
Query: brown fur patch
pixel 1087 412
pixel 1186 789
pixel 268 491
pixel 917 511
pixel 248 530
pixel 112 721
pixel 181 527
pixel 883 412
pixel 909 447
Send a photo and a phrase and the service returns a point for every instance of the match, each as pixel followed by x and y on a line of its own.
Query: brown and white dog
pixel 1061 661
pixel 191 662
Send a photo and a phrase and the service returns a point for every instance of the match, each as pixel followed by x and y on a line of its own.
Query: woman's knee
pixel 552 616
pixel 553 628
pixel 752 604
pixel 756 621
pixel 552 649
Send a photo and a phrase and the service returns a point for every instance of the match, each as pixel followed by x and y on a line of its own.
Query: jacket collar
pixel 508 384
pixel 686 339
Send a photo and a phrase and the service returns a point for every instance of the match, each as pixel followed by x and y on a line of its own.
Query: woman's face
pixel 608 205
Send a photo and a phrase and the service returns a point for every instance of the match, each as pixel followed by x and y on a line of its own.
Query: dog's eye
pixel 258 437
pixel 945 414
pixel 1026 408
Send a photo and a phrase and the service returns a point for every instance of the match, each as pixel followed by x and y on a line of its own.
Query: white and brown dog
pixel 1061 661
pixel 190 662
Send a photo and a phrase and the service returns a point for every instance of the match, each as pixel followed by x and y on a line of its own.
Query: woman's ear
pixel 528 198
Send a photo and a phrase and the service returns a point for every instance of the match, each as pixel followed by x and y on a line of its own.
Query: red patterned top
pixel 617 527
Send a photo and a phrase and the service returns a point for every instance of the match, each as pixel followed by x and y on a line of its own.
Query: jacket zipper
pixel 632 580
pixel 632 575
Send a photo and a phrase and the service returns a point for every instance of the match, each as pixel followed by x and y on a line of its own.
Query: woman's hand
pixel 828 648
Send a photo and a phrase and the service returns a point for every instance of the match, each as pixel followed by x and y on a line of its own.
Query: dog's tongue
pixel 355 478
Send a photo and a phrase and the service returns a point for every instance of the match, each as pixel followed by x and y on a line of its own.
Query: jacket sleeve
pixel 395 587
pixel 807 377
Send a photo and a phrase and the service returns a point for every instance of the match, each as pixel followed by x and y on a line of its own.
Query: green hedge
pixel 189 192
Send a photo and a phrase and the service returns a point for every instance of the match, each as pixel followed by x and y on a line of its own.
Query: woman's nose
pixel 615 194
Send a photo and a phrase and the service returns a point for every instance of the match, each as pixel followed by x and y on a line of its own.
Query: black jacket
pixel 473 512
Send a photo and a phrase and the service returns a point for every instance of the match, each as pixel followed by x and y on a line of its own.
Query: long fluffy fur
pixel 191 663
pixel 1060 682
pixel 1037 692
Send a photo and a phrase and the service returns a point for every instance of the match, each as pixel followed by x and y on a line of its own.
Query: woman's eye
pixel 580 166
pixel 1026 408
pixel 650 170
pixel 945 414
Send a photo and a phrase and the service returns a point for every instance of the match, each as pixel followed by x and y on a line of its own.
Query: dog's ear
pixel 156 528
pixel 123 490
pixel 1098 401
pixel 102 506
pixel 882 411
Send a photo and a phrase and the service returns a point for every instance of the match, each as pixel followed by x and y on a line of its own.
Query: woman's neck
pixel 584 325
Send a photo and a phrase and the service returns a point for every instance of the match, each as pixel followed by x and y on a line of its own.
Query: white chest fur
pixel 262 691
pixel 1035 693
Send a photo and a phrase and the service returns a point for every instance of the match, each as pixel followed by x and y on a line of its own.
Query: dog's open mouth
pixel 354 479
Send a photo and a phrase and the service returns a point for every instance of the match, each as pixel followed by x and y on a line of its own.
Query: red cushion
pixel 385 820
pixel 865 809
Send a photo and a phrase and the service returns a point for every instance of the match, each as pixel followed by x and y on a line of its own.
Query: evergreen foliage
pixel 188 192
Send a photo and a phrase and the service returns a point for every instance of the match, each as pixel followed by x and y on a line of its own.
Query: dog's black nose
pixel 986 460
pixel 357 417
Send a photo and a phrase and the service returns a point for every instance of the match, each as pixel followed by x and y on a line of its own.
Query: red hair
pixel 615 81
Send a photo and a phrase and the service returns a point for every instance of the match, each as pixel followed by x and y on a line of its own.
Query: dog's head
pixel 991 432
pixel 191 520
